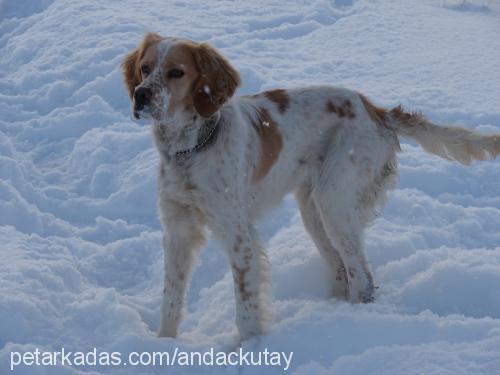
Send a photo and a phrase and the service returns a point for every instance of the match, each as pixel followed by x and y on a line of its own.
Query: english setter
pixel 225 160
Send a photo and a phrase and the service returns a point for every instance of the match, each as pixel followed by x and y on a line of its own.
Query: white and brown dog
pixel 224 161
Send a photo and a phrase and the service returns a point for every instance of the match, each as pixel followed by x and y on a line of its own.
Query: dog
pixel 225 161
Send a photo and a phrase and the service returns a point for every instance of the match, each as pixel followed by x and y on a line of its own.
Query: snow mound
pixel 80 252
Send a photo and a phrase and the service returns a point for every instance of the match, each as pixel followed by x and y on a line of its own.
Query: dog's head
pixel 165 76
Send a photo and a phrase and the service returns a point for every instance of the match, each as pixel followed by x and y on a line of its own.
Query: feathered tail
pixel 449 142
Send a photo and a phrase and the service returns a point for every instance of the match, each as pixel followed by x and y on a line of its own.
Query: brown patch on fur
pixel 271 143
pixel 344 110
pixel 217 82
pixel 239 279
pixel 377 114
pixel 401 115
pixel 280 97
pixel 180 56
pixel 130 65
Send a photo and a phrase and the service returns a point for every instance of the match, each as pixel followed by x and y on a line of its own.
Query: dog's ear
pixel 217 82
pixel 130 64
pixel 131 73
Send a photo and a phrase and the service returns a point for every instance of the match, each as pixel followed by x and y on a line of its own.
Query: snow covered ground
pixel 80 253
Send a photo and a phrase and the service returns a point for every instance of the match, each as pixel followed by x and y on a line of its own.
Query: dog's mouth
pixel 137 114
pixel 140 111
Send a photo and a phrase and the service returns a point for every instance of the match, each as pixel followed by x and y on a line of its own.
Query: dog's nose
pixel 142 96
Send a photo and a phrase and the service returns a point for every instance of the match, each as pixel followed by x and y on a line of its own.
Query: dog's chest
pixel 179 183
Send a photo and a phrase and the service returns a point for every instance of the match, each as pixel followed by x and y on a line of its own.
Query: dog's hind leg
pixel 340 194
pixel 314 226
pixel 345 230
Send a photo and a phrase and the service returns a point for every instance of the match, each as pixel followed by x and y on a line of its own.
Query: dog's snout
pixel 142 96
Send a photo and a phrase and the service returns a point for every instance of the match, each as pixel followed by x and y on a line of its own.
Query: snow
pixel 80 253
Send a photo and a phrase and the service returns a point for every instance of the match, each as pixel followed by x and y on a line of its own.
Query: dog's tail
pixel 454 143
pixel 449 142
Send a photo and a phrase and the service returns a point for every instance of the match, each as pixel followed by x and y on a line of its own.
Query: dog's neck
pixel 182 137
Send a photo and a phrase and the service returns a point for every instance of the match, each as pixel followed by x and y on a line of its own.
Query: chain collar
pixel 212 122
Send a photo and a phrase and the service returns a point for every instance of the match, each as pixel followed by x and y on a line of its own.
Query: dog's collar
pixel 211 126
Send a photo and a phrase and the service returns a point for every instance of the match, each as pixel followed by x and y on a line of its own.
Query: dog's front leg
pixel 184 234
pixel 250 269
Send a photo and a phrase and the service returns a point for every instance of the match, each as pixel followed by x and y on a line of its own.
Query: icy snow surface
pixel 80 253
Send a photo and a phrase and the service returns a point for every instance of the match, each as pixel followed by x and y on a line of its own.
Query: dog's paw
pixel 368 295
pixel 166 332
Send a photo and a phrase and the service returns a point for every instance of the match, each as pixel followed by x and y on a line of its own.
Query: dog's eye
pixel 145 70
pixel 175 73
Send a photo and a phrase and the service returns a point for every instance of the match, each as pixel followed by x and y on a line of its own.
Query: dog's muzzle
pixel 142 100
